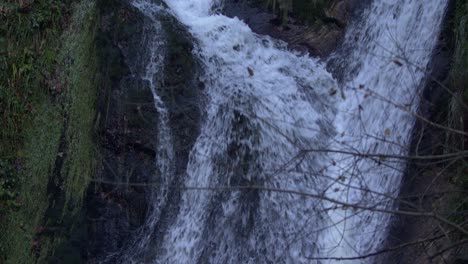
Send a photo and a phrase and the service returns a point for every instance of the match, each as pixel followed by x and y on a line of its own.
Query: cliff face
pixel 127 123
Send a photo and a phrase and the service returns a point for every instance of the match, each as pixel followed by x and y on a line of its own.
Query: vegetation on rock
pixel 48 89
pixel 458 104
pixel 306 10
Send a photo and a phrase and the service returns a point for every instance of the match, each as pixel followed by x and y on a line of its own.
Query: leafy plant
pixel 8 186
pixel 307 10
pixel 27 32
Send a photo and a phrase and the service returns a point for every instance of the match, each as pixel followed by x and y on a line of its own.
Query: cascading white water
pixel 383 75
pixel 150 70
pixel 267 105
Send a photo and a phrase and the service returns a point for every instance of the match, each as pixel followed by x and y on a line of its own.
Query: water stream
pixel 279 121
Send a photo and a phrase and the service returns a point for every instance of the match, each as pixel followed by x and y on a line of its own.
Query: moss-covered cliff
pixel 47 104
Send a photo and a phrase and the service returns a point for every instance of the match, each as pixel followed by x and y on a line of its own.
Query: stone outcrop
pixel 127 125
pixel 341 11
pixel 319 38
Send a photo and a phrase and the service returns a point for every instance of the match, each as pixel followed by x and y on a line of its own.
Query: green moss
pixel 39 156
pixel 30 122
pixel 81 105
pixel 306 10
pixel 28 38
pixel 458 77
pixel 52 138
pixel 459 74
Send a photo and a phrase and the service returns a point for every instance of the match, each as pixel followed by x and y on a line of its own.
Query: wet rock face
pixel 425 177
pixel 319 39
pixel 127 125
pixel 181 90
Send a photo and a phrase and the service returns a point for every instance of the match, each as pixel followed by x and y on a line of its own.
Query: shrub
pixel 306 10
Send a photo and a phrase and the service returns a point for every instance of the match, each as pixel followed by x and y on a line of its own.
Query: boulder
pixel 319 38
pixel 341 11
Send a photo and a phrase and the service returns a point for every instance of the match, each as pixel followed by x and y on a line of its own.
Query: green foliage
pixel 42 139
pixel 48 88
pixel 28 31
pixel 82 78
pixel 459 72
pixel 458 78
pixel 458 112
pixel 307 10
pixel 8 184
pixel 30 17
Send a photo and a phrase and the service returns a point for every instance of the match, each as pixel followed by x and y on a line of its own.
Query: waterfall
pixel 383 77
pixel 277 120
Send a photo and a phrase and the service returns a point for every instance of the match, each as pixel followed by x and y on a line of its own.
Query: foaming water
pixel 266 105
pixel 276 119
pixel 383 76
